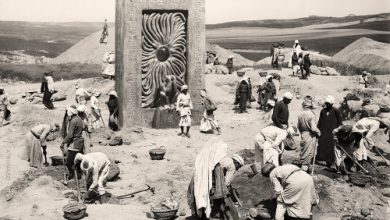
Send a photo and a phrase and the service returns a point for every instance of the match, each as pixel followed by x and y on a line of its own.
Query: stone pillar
pixel 147 52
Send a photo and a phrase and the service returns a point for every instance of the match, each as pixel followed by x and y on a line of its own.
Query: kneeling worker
pixel 294 189
pixel 96 167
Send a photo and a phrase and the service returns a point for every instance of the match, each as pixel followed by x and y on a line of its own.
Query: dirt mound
pixel 365 53
pixel 223 55
pixel 35 200
pixel 88 50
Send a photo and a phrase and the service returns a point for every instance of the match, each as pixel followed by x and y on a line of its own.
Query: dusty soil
pixel 170 176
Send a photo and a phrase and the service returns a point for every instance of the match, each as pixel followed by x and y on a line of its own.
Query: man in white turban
pixel 330 119
pixel 184 108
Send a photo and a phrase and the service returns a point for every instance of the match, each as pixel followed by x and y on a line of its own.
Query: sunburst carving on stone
pixel 164 45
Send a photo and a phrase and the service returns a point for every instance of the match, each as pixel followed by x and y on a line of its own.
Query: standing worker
pixel 363 80
pixel 96 166
pixel 294 189
pixel 81 94
pixel 243 93
pixel 113 108
pixel 229 64
pixel 75 137
pixel 5 113
pixel 281 113
pixel 47 88
pixel 309 133
pixel 95 111
pixel 36 144
pixel 184 107
pixel 209 108
pixel 330 119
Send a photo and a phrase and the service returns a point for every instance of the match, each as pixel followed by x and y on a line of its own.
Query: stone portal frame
pixel 128 42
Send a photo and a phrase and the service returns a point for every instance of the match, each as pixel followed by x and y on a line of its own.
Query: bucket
pixel 57 160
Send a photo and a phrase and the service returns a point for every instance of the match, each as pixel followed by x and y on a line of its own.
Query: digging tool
pixel 45 155
pixel 130 195
pixel 373 164
pixel 353 160
pixel 234 194
pixel 383 157
pixel 78 187
pixel 314 161
pixel 65 182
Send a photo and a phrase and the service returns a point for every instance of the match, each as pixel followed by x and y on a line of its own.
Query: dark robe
pixel 46 101
pixel 244 94
pixel 229 65
pixel 329 120
pixel 112 105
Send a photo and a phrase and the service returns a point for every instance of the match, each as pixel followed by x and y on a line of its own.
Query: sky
pixel 217 11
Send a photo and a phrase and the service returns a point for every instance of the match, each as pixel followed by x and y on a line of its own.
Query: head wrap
pixel 239 159
pixel 307 102
pixel 288 95
pixel 55 127
pixel 113 93
pixel 296 41
pixel 231 57
pixel 271 103
pixel 184 87
pixel 267 168
pixel 329 99
pixel 292 130
pixel 81 108
pixel 357 128
pixel 269 76
pixel 72 109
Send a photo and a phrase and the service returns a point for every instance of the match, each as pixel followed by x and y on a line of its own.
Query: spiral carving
pixel 164 45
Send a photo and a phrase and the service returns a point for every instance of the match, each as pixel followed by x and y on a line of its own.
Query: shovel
pixel 78 187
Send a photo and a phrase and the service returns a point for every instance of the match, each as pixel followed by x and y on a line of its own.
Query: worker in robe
pixel 5 113
pixel 96 167
pixel 307 126
pixel 294 189
pixel 210 194
pixel 36 144
pixel 113 109
pixel 329 119
pixel 229 64
pixel 47 88
pixel 81 94
pixel 96 115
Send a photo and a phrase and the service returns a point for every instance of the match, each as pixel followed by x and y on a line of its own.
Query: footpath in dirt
pixel 31 194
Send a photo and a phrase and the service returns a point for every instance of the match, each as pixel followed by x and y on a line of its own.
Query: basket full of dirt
pixel 157 153
pixel 57 160
pixel 75 211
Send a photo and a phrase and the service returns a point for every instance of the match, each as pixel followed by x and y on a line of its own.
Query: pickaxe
pixel 383 157
pixel 130 195
pixel 353 160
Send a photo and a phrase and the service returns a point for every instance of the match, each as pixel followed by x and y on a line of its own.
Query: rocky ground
pixel 32 194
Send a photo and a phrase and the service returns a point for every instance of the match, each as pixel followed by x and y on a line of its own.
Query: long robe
pixel 309 133
pixel 329 120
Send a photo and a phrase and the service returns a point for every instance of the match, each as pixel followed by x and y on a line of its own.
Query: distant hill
pixel 371 25
pixel 88 50
pixel 43 38
pixel 365 53
pixel 299 22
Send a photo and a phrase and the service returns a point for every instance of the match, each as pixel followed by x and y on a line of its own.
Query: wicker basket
pixel 263 74
pixel 74 211
pixel 57 160
pixel 157 153
pixel 161 214
pixel 240 74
